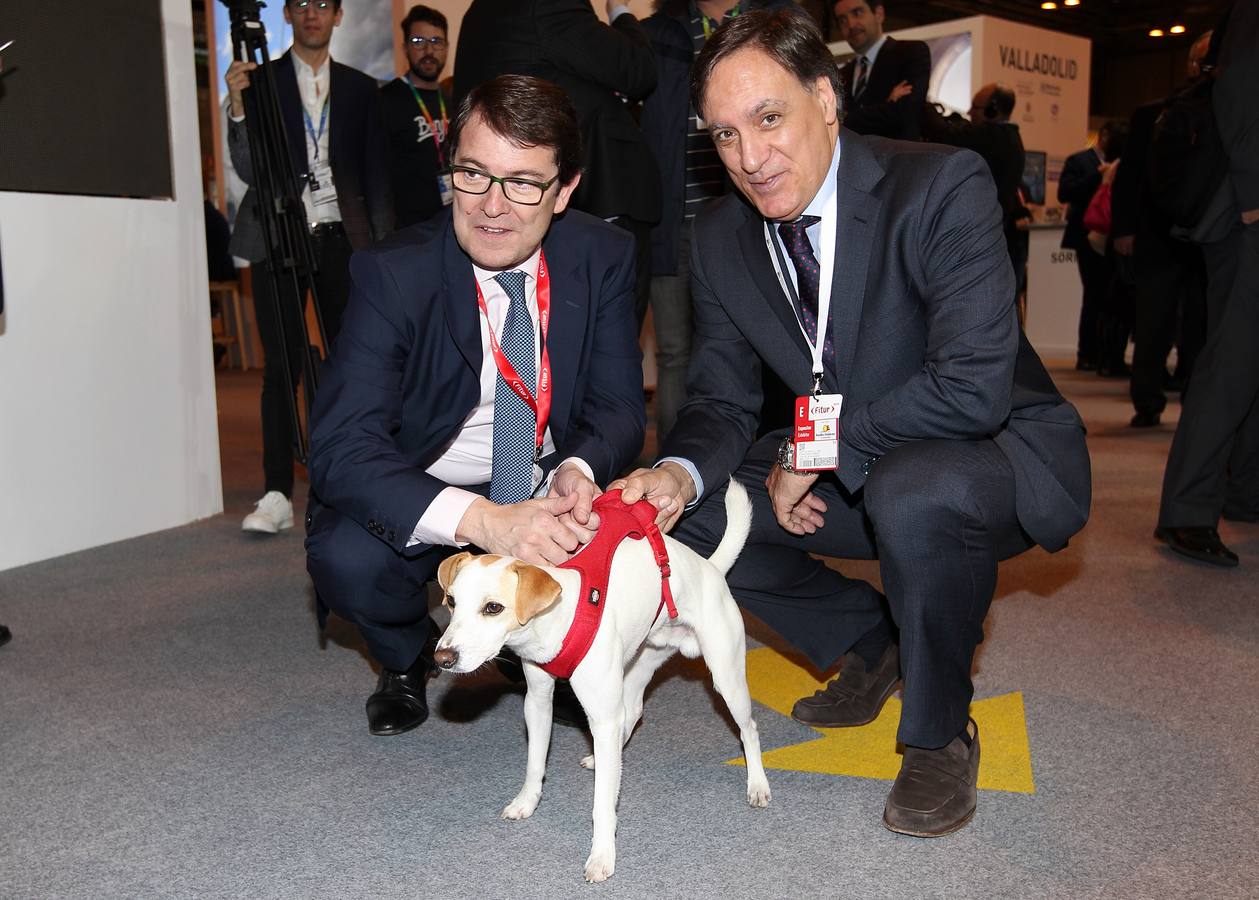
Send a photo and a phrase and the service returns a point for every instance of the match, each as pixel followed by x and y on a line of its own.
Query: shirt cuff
pixel 617 11
pixel 690 470
pixel 545 487
pixel 441 520
pixel 233 118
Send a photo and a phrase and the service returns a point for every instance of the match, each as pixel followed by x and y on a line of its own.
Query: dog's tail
pixel 738 524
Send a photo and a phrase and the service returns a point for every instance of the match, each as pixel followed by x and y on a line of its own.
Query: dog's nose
pixel 446 657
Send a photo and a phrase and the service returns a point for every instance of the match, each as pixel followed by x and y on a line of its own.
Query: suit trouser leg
pixel 642 263
pixel 276 339
pixel 1094 277
pixel 1223 387
pixel 671 319
pixel 1161 279
pixel 364 581
pixel 938 541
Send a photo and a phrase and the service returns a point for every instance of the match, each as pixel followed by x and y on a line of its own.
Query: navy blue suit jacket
pixel 404 373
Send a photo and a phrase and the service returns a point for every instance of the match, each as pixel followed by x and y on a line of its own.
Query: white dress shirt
pixel 468 460
pixel 313 87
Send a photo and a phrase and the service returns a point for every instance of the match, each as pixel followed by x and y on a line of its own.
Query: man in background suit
pixel 418 443
pixel 881 65
pixel 954 448
pixel 337 145
pixel 600 67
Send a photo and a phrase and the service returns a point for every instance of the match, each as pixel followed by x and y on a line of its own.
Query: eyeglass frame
pixel 502 183
pixel 418 40
pixel 320 5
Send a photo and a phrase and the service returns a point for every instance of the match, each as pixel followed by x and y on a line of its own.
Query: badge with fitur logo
pixel 816 435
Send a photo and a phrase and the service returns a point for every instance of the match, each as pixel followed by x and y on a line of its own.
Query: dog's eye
pixel 449 600
pixel 492 608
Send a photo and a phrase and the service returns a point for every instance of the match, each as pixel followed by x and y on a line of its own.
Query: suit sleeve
pixel 718 423
pixel 356 464
pixel 617 56
pixel 238 149
pixel 963 273
pixel 903 118
pixel 610 424
pixel 1128 188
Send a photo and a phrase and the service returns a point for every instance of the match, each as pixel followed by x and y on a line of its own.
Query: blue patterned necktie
pixel 808 274
pixel 515 425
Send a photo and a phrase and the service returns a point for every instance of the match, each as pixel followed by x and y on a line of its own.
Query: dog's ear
pixel 449 568
pixel 536 591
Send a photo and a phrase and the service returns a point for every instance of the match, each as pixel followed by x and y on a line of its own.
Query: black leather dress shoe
pixel 1197 542
pixel 5 634
pixel 565 707
pixel 401 701
pixel 1144 420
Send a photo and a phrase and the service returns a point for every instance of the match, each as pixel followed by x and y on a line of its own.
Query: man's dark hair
pixel 1002 102
pixel 425 14
pixel 787 36
pixel 528 112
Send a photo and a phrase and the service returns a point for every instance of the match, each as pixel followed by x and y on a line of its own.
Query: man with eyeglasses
pixel 416 110
pixel 487 379
pixel 335 138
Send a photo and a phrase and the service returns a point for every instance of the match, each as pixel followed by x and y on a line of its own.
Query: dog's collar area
pixel 617 521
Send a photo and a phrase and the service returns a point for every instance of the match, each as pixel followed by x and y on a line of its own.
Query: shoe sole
pixel 956 826
pixel 877 710
pixel 262 529
pixel 396 731
pixel 1213 561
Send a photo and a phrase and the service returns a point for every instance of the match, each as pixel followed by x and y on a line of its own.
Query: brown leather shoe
pixel 855 697
pixel 934 793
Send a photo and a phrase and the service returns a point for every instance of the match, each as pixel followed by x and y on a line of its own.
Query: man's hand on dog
pixel 581 520
pixel 796 507
pixel 668 487
pixel 530 530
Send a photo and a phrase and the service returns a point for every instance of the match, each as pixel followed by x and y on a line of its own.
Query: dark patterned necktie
pixel 515 425
pixel 808 276
pixel 860 85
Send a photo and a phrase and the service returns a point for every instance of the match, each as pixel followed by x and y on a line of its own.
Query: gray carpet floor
pixel 172 725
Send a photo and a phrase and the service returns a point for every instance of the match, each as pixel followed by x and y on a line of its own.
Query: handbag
pixel 1097 216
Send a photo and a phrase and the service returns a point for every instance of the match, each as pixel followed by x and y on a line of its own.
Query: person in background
pixel 331 117
pixel 603 69
pixel 691 176
pixel 1081 177
pixel 416 113
pixel 882 64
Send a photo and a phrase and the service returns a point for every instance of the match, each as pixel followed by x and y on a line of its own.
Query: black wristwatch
pixel 787 455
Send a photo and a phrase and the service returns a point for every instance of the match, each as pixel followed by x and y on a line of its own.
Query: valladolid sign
pixel 1023 60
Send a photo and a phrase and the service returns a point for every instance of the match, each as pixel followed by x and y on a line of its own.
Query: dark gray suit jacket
pixel 927 341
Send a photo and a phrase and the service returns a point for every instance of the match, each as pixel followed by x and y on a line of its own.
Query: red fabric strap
pixel 617 521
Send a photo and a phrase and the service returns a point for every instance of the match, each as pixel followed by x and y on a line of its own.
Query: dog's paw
pixel 588 762
pixel 522 807
pixel 758 795
pixel 600 864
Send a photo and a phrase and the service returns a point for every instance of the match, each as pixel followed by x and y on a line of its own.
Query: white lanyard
pixel 830 225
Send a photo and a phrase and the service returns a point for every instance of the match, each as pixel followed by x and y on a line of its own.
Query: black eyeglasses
pixel 417 41
pixel 517 190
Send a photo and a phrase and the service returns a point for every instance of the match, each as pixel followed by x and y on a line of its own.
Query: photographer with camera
pixel 337 146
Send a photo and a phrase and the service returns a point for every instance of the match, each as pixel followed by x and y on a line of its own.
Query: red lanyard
pixel 541 406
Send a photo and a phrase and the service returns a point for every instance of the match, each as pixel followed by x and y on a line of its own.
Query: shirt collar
pixel 873 52
pixel 303 69
pixel 529 267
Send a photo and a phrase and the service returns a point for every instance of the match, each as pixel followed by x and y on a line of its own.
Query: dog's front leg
pixel 541 689
pixel 600 696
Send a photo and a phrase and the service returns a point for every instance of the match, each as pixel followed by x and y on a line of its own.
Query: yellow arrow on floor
pixel 1005 763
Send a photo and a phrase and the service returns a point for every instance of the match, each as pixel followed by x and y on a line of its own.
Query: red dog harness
pixel 617 521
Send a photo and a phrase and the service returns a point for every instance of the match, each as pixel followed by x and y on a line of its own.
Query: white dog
pixel 499 601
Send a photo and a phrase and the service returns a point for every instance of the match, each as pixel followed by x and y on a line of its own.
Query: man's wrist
pixel 686 484
pixel 471 527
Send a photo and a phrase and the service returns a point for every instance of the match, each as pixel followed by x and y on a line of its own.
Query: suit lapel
pixel 459 294
pixel 291 111
pixel 566 335
pixel 858 211
pixel 756 256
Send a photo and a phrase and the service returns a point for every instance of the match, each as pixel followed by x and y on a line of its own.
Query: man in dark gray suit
pixel 954 448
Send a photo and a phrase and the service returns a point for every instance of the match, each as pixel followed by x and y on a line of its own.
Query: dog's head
pixel 490 597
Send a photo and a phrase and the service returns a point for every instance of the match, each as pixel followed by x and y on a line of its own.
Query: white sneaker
pixel 274 512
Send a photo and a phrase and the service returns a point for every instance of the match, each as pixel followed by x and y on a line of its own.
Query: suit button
pixel 310 519
pixel 865 466
pixel 371 524
pixel 391 536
